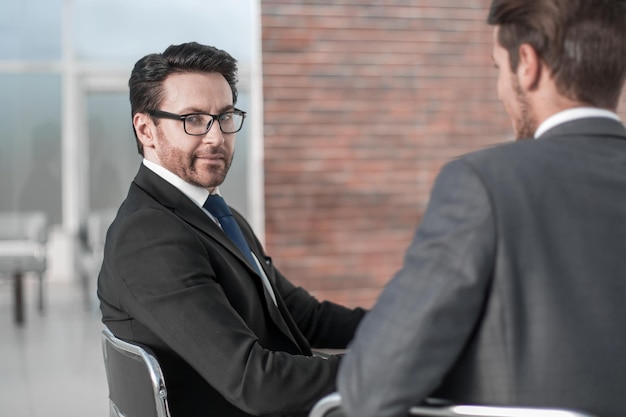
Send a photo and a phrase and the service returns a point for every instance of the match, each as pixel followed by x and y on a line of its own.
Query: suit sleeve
pixel 425 315
pixel 324 324
pixel 168 283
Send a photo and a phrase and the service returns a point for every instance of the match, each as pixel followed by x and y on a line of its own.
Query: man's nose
pixel 214 134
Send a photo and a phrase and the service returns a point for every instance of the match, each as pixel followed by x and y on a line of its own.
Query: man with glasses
pixel 186 276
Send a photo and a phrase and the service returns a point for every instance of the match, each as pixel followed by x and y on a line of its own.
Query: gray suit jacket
pixel 172 280
pixel 513 290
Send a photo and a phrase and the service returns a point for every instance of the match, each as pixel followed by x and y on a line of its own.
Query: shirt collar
pixel 572 114
pixel 195 193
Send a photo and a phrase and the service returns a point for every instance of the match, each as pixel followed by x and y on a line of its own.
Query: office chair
pixel 23 247
pixel 329 406
pixel 135 380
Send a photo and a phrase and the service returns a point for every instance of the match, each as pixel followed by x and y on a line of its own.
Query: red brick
pixel 364 102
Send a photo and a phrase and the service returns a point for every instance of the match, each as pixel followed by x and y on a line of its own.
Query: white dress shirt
pixel 572 114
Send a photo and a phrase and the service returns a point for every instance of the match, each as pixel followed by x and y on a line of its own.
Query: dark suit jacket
pixel 513 290
pixel 172 280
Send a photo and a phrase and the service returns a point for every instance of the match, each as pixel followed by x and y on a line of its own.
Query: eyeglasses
pixel 197 124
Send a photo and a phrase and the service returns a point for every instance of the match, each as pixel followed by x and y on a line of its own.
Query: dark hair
pixel 146 80
pixel 583 42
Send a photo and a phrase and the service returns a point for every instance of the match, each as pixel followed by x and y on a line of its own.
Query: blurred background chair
pixel 92 237
pixel 135 380
pixel 330 406
pixel 23 246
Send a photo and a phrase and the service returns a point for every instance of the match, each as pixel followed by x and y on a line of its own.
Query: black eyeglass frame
pixel 160 114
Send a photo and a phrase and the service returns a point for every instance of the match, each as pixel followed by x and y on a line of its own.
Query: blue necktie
pixel 216 205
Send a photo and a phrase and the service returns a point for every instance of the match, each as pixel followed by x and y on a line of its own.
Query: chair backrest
pixel 31 225
pixel 330 406
pixel 23 242
pixel 135 380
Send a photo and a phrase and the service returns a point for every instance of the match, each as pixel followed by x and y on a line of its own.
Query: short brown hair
pixel 583 42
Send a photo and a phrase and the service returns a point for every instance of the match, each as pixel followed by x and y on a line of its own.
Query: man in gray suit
pixel 513 289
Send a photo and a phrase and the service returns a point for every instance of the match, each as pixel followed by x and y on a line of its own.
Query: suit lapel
pixel 172 198
pixel 279 312
pixel 281 317
pixel 291 329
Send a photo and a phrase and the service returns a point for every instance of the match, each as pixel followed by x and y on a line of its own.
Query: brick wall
pixel 364 101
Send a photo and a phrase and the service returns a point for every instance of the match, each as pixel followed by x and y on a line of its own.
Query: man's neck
pixel 197 194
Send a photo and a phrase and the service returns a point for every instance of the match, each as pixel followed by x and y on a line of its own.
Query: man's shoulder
pixel 137 199
pixel 501 153
pixel 141 206
pixel 505 148
pixel 507 162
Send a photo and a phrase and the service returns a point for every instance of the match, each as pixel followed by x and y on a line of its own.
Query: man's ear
pixel 529 69
pixel 145 129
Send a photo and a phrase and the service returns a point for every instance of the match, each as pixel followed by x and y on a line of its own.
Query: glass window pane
pixel 30 29
pixel 30 144
pixel 146 26
pixel 113 156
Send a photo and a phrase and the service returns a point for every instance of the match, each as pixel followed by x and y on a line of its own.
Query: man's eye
pixel 225 117
pixel 195 119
